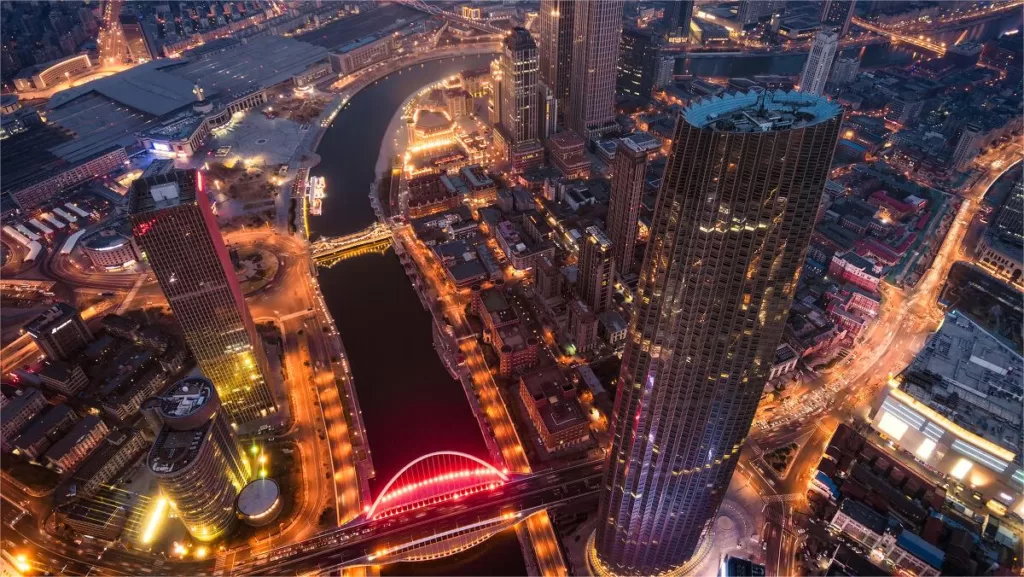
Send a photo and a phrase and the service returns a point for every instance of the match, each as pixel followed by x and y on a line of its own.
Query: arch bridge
pixel 438 505
pixel 435 478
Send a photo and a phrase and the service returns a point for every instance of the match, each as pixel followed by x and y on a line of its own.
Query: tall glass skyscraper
pixel 173 224
pixel 729 236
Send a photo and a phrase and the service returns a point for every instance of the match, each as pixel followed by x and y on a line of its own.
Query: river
pixel 411 405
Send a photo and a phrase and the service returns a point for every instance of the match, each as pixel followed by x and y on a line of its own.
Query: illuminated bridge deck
pixel 329 250
pixel 433 529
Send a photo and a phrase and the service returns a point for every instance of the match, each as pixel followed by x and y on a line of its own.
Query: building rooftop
pixel 760 111
pixel 174 450
pixel 258 497
pixel 186 397
pixel 975 380
pixel 107 239
pixel 43 426
pixel 864 515
pixel 52 320
pixel 559 410
pixel 68 442
pixel 162 186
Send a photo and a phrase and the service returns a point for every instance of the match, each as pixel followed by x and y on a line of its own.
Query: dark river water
pixel 411 406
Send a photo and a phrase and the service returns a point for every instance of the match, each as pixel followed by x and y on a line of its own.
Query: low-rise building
pixel 65 378
pixel 784 362
pixel 41 433
pixel 956 408
pixel 361 53
pixel 64 455
pixel 566 152
pixel 111 457
pixel 854 269
pixel 524 253
pixel 550 401
pixel 18 411
pixel 583 327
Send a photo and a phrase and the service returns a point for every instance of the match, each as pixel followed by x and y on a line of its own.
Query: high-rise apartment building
pixel 555 50
pixel 629 169
pixel 676 20
pixel 845 70
pixel 838 14
pixel 639 62
pixel 728 240
pixel 173 224
pixel 59 332
pixel 819 62
pixel 195 458
pixel 596 30
pixel 597 270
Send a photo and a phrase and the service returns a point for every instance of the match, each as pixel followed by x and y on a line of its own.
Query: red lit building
pixel 567 154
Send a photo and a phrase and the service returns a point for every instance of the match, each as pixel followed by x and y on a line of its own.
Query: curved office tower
pixel 196 458
pixel 730 232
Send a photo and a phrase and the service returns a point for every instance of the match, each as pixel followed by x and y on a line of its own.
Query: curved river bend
pixel 411 405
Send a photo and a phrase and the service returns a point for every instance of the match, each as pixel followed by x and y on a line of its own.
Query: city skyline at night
pixel 531 287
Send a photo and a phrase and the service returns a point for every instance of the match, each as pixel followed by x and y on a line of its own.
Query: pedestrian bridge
pixel 327 251
pixel 438 505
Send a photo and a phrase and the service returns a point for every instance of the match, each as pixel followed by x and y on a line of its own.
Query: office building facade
pixel 728 240
pixel 597 270
pixel 173 224
pixel 555 27
pixel 676 19
pixel 597 27
pixel 639 62
pixel 59 332
pixel 838 14
pixel 519 90
pixel 629 169
pixel 819 62
pixel 195 458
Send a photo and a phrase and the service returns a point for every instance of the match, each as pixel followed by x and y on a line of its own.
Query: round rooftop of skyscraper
pixel 761 111
pixel 186 397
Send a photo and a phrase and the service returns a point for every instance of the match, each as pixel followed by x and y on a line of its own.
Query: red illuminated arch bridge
pixel 435 477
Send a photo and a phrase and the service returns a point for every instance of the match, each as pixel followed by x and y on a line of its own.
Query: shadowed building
pixel 555 48
pixel 629 169
pixel 597 27
pixel 173 224
pixel 728 240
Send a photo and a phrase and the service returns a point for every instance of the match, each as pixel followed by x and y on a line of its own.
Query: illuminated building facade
pixel 174 226
pixel 838 14
pixel 597 27
pixel 519 95
pixel 629 169
pixel 677 19
pixel 728 240
pixel 555 54
pixel 195 458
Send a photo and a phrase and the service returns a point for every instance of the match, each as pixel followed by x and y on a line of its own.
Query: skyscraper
pixel 728 240
pixel 639 62
pixel 519 99
pixel 195 458
pixel 595 54
pixel 138 44
pixel 519 91
pixel 59 332
pixel 629 169
pixel 677 18
pixel 1009 223
pixel 819 62
pixel 173 224
pixel 555 50
pixel 838 14
pixel 597 270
